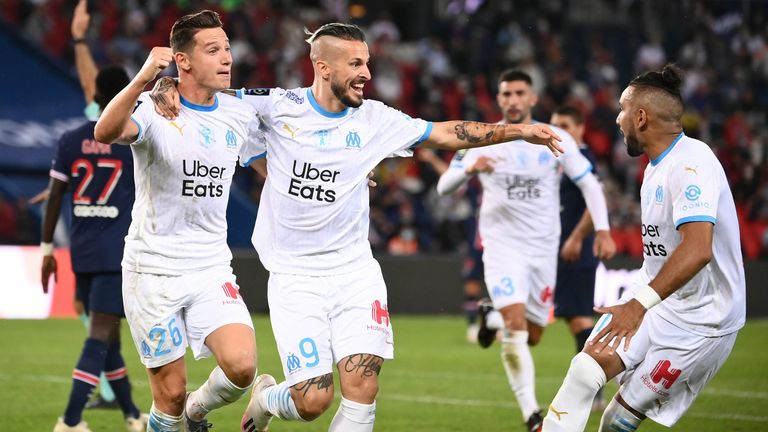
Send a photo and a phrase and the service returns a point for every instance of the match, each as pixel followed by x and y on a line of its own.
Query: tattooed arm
pixel 455 135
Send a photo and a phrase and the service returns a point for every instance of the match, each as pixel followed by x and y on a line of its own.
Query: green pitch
pixel 438 382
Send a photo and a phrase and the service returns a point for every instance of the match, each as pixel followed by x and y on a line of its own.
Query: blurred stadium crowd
pixel 439 59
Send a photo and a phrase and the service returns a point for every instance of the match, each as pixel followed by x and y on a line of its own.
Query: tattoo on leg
pixel 365 364
pixel 324 382
pixel 474 133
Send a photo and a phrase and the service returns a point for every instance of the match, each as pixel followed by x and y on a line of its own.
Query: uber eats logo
pixel 320 180
pixel 650 248
pixel 201 182
pixel 523 187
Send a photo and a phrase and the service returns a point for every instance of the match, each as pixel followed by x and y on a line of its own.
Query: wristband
pixel 46 248
pixel 648 297
pixel 78 41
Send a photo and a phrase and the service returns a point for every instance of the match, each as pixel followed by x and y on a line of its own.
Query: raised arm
pixel 456 135
pixel 86 67
pixel 115 123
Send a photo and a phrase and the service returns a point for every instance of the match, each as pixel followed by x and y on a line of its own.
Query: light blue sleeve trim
pixel 580 176
pixel 239 93
pixel 423 136
pixel 141 131
pixel 697 218
pixel 257 157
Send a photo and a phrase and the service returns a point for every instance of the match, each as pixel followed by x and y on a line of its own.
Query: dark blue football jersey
pixel 101 182
pixel 572 207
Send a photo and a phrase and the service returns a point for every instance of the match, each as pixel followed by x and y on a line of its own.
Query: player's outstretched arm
pixel 691 255
pixel 115 123
pixel 456 135
pixel 57 189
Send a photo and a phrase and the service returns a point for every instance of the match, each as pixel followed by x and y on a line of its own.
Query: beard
pixel 634 148
pixel 341 92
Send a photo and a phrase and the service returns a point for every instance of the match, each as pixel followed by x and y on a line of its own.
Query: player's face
pixel 516 99
pixel 568 124
pixel 626 124
pixel 210 61
pixel 350 72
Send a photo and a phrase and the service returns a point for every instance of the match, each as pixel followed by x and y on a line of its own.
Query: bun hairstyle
pixel 669 79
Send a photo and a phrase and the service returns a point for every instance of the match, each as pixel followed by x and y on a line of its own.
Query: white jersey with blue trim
pixel 313 214
pixel 521 197
pixel 183 171
pixel 686 184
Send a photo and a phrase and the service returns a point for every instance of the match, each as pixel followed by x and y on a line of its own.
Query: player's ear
pixel 641 119
pixel 182 60
pixel 323 69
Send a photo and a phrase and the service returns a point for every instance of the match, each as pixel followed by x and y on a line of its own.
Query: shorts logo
pixel 692 192
pixel 145 351
pixel 546 295
pixel 662 371
pixel 230 291
pixel 505 288
pixel 353 140
pixel 659 194
pixel 379 313
pixel 292 363
pixel 231 139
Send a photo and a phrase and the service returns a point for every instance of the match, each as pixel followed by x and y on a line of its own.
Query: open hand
pixel 80 20
pixel 542 135
pixel 625 320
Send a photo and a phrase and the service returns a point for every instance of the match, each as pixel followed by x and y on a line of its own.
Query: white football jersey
pixel 183 170
pixel 521 197
pixel 313 214
pixel 685 184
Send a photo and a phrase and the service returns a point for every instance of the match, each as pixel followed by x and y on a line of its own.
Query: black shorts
pixel 100 292
pixel 574 292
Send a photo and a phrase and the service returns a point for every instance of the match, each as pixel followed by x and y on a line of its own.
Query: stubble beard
pixel 340 91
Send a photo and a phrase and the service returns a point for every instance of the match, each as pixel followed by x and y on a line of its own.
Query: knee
pixel 313 404
pixel 240 369
pixel 534 338
pixel 171 393
pixel 362 391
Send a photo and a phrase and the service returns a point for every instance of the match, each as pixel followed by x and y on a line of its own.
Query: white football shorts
pixel 521 276
pixel 667 367
pixel 168 313
pixel 319 320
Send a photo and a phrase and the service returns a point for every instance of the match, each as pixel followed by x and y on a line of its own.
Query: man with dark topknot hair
pixel 675 327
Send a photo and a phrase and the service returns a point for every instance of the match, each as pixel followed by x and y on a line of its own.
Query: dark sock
pixel 117 374
pixel 85 378
pixel 581 338
pixel 470 308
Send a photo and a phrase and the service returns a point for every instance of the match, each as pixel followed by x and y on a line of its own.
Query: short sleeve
pixel 399 131
pixel 143 114
pixel 259 98
pixel 574 163
pixel 61 163
pixel 695 193
pixel 255 145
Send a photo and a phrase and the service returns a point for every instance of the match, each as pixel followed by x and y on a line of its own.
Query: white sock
pixel 616 418
pixel 278 401
pixel 494 320
pixel 162 422
pixel 518 364
pixel 570 409
pixel 215 392
pixel 353 417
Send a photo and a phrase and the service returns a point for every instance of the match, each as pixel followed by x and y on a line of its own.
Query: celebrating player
pixel 519 226
pixel 179 288
pixel 675 328
pixel 327 298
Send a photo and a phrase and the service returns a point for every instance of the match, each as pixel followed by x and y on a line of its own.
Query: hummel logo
pixel 178 128
pixel 557 413
pixel 290 130
pixel 693 170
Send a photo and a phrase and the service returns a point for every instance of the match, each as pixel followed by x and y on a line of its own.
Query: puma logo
pixel 693 170
pixel 178 128
pixel 557 413
pixel 290 130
